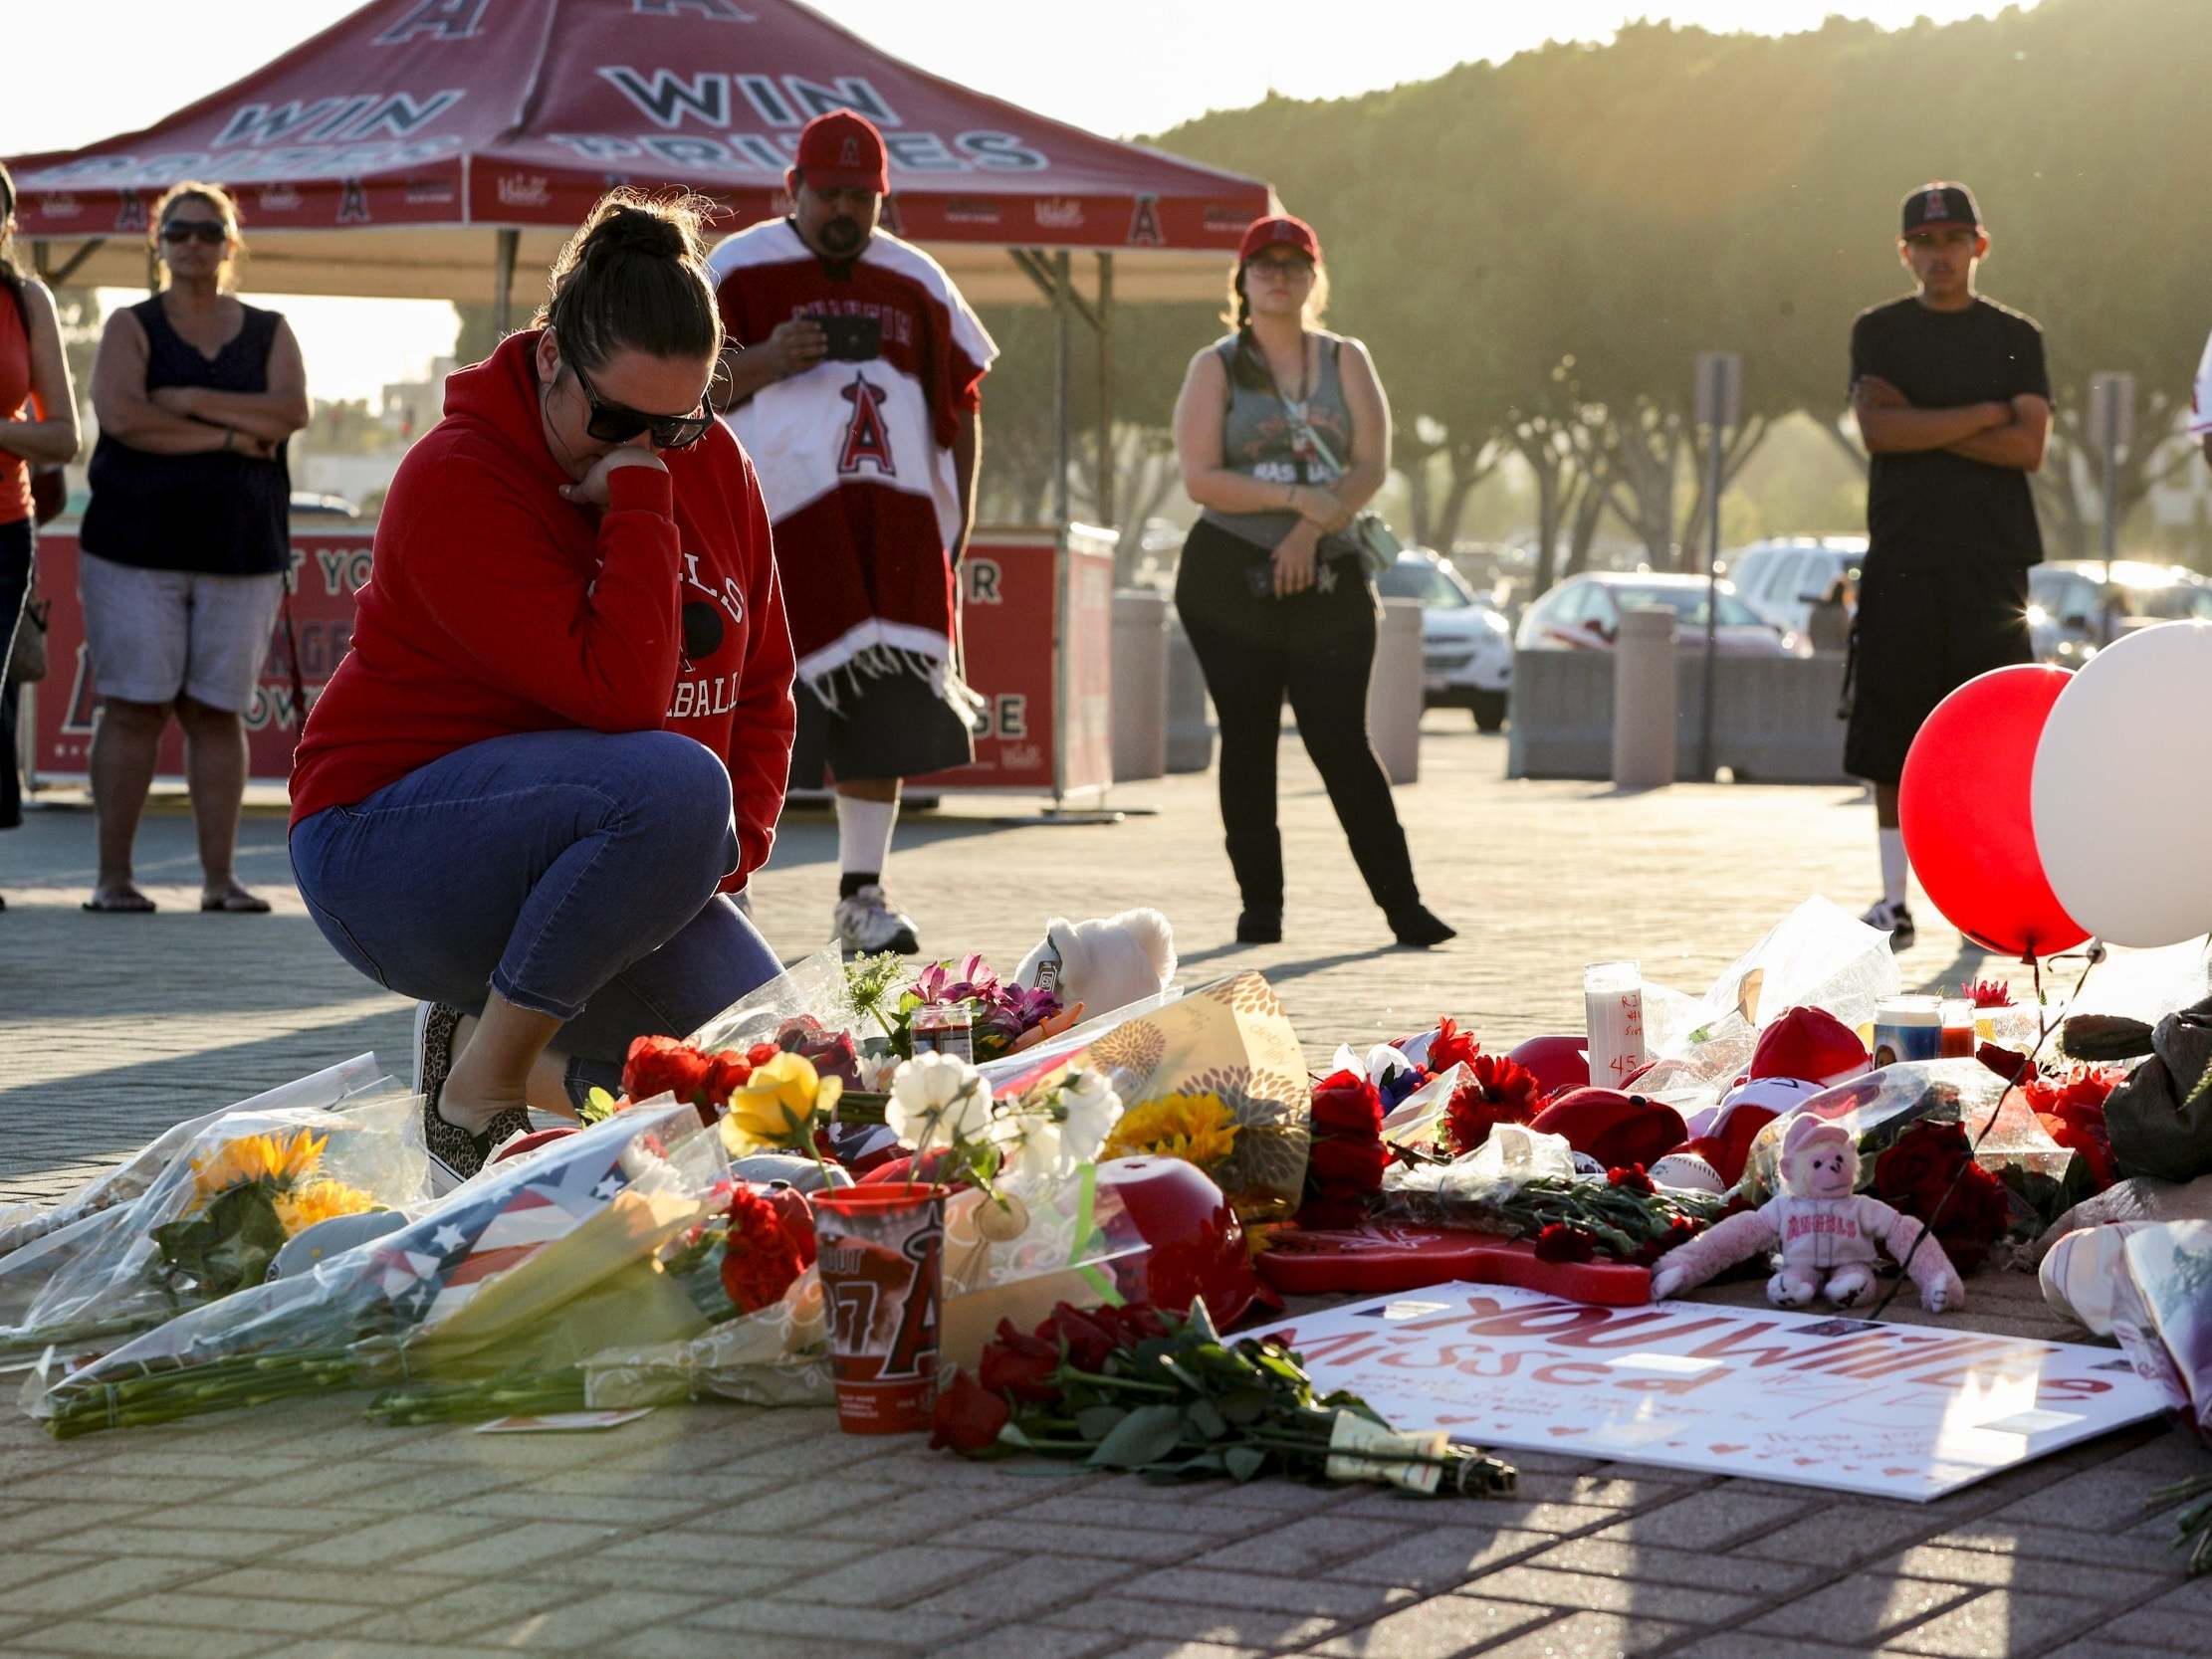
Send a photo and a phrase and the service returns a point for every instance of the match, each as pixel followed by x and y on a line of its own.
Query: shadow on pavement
pixel 50 1124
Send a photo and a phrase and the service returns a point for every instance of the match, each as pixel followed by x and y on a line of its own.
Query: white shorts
pixel 155 634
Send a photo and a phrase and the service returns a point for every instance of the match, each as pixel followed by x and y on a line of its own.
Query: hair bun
pixel 635 229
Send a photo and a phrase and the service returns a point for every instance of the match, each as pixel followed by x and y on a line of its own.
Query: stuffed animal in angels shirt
pixel 1103 964
pixel 1824 1230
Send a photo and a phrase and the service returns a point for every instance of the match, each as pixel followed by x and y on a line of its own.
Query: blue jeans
pixel 572 872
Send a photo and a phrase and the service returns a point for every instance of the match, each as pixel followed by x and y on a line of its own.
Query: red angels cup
pixel 881 1252
pixel 1613 1012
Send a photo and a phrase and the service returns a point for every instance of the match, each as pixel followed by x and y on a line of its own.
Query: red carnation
pixel 1017 1363
pixel 2072 1111
pixel 1559 1242
pixel 759 1259
pixel 760 1054
pixel 1451 1047
pixel 797 1218
pixel 727 1073
pixel 1500 1092
pixel 1345 1103
pixel 658 1064
pixel 1633 1178
pixel 968 1416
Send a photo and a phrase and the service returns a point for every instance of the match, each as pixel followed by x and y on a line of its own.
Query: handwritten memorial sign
pixel 1849 1406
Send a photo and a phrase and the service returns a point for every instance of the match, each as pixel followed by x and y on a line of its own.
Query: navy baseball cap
pixel 1939 205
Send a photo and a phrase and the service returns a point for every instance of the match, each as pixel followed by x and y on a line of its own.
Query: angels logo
pixel 131 212
pixel 440 20
pixel 867 438
pixel 1144 224
pixel 1936 207
pixel 352 204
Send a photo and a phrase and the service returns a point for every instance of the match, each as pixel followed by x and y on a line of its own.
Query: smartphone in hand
pixel 853 339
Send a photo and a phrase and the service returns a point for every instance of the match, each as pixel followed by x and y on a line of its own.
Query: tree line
pixel 1536 250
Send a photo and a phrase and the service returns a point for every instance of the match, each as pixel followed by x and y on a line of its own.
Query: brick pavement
pixel 306 1531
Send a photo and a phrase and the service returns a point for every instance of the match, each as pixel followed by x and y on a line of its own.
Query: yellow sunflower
pixel 318 1200
pixel 1197 1128
pixel 278 1159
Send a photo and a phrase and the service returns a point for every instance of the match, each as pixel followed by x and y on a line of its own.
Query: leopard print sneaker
pixel 455 1153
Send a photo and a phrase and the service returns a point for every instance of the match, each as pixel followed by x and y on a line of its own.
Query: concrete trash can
pixel 1393 692
pixel 1140 712
pixel 1190 710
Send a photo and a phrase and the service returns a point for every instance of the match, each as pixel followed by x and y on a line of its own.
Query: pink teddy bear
pixel 1825 1230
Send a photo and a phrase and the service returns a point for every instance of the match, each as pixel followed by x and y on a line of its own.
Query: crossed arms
pixel 2003 434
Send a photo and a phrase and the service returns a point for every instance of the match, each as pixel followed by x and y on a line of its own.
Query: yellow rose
pixel 777 1105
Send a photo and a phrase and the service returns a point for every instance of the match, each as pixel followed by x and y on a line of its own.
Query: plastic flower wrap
pixel 212 1222
pixel 37 1241
pixel 527 1266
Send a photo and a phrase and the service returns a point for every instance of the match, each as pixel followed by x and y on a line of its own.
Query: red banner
pixel 328 568
pixel 1037 740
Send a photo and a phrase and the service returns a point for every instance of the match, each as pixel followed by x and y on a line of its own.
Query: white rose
pixel 937 1098
pixel 1032 1147
pixel 1093 1108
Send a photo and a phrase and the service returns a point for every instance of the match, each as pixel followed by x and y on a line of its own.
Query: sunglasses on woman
pixel 615 423
pixel 194 229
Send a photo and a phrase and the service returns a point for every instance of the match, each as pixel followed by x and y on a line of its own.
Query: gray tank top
pixel 1260 438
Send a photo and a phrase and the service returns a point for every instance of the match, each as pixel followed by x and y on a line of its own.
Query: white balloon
pixel 2122 788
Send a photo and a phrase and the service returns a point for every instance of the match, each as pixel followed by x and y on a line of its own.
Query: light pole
pixel 2111 428
pixel 1717 407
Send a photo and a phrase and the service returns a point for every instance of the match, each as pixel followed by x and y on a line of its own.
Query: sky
pixel 1154 64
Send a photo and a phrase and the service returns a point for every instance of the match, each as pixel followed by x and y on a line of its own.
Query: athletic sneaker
pixel 868 923
pixel 455 1153
pixel 1894 919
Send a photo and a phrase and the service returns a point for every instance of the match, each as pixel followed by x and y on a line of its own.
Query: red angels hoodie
pixel 497 607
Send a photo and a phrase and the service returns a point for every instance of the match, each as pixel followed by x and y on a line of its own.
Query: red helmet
pixel 1196 1244
pixel 1560 1063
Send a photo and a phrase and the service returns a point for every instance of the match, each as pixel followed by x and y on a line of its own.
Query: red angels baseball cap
pixel 843 151
pixel 1282 231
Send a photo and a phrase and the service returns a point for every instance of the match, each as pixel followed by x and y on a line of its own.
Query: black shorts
pixel 885 726
pixel 1924 628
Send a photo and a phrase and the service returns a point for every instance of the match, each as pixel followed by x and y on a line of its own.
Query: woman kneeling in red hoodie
pixel 561 739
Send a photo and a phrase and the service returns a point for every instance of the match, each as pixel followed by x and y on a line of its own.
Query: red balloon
pixel 1964 803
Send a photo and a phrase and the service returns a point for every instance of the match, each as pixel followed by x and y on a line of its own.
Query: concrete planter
pixel 1776 717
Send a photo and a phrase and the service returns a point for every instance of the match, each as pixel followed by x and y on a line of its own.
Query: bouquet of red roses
pixel 1929 1173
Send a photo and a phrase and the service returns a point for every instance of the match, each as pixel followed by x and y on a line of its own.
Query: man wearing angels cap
pixel 1953 404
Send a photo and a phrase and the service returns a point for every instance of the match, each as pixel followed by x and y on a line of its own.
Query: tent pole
pixel 1062 355
pixel 503 281
pixel 1105 330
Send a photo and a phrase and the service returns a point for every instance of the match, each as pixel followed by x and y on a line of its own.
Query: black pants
pixel 15 588
pixel 1318 649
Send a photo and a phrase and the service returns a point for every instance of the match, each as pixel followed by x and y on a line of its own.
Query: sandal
pixel 128 901
pixel 237 901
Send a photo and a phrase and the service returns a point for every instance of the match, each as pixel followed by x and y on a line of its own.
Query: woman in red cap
pixel 1283 434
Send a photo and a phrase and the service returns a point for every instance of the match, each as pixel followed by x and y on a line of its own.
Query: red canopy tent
pixel 427 148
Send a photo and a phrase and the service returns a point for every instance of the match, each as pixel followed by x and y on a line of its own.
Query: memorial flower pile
pixel 1929 1173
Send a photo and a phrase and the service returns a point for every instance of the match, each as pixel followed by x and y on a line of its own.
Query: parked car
pixel 1784 579
pixel 1583 613
pixel 1466 645
pixel 2066 603
pixel 305 503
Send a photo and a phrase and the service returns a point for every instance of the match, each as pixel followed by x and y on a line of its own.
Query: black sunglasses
pixel 194 229
pixel 615 423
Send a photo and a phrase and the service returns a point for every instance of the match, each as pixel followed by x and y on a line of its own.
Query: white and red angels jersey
pixel 2200 401
pixel 855 459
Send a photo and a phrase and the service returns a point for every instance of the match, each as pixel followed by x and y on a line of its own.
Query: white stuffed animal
pixel 1104 964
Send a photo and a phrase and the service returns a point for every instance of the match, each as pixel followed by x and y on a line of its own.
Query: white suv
pixel 1784 579
pixel 1466 645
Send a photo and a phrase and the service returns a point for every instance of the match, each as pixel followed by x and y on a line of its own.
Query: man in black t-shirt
pixel 1954 404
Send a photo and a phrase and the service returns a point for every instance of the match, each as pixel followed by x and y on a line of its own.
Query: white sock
pixel 1893 866
pixel 864 834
